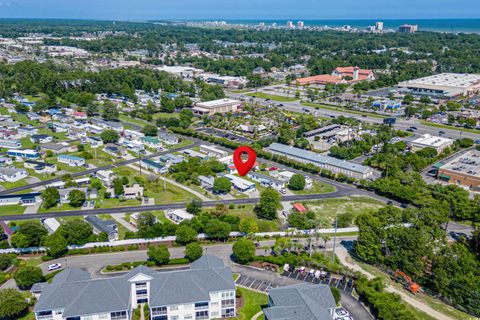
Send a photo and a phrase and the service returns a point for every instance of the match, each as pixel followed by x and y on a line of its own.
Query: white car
pixel 340 313
pixel 54 266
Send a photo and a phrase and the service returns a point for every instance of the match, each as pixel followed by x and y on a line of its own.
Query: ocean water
pixel 437 25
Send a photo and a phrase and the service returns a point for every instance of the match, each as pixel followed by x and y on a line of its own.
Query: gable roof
pixel 74 291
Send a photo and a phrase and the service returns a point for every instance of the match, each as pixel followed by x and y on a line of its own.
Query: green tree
pixel 146 220
pixel 56 245
pixel 27 275
pixel 103 237
pixel 269 204
pixel 150 130
pixel 222 185
pixel 248 226
pixel 109 136
pixel 118 186
pixel 217 229
pixel 76 232
pixel 76 198
pixel 159 254
pixel 33 231
pixel 194 207
pixel 6 260
pixel 337 296
pixel 297 182
pixel 110 112
pixel 50 197
pixel 12 304
pixel 185 234
pixel 244 250
pixel 19 240
pixel 193 251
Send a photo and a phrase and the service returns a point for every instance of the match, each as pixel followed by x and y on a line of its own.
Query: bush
pixel 244 250
pixel 238 293
pixel 336 295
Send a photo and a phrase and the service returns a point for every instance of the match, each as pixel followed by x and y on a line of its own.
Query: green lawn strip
pixel 339 109
pixel 252 303
pixel 317 188
pixel 162 115
pixel 444 126
pixel 11 185
pixel 273 97
pixel 12 210
pixel 183 143
pixel 138 122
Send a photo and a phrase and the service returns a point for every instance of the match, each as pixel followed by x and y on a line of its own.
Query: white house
pixel 12 174
pixel 72 161
pixel 178 215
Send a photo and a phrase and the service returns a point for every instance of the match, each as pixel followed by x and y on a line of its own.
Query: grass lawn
pixel 159 115
pixel 138 122
pixel 12 210
pixel 340 109
pixel 246 211
pixel 328 208
pixel 183 143
pixel 154 189
pixel 317 187
pixel 252 304
pixel 11 185
pixel 273 97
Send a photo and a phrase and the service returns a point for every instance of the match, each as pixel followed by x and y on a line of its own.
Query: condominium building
pixel 206 291
pixel 221 106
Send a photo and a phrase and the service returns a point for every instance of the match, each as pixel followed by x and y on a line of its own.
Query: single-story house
pixel 72 161
pixel 240 184
pixel 64 193
pixel 11 174
pixel 266 181
pixel 178 215
pixel 154 166
pixel 168 138
pixel 133 192
pixel 41 138
pixel 94 141
pixel 108 226
pixel 40 167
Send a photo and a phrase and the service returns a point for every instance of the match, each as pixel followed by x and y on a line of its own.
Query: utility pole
pixel 334 239
pixel 164 184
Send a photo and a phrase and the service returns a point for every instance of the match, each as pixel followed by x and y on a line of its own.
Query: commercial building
pixel 438 143
pixel 321 130
pixel 300 302
pixel 338 76
pixel 206 291
pixel 463 170
pixel 334 165
pixel 221 106
pixel 443 86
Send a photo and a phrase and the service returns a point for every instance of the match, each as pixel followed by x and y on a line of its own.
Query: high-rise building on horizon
pixel 408 28
pixel 290 24
pixel 300 24
pixel 379 26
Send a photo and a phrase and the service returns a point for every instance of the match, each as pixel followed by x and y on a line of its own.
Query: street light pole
pixel 334 239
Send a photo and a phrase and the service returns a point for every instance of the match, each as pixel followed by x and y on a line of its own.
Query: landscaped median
pixel 272 97
pixel 131 265
pixel 341 109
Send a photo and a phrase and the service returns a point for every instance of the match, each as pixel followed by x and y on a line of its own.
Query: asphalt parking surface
pixel 254 284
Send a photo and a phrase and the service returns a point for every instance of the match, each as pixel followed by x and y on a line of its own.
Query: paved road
pixel 176 205
pixel 400 124
pixel 90 171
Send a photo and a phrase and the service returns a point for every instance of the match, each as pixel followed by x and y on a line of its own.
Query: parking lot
pixel 340 283
pixel 254 284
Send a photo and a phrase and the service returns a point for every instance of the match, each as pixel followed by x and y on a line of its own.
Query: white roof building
pixel 444 85
pixel 439 143
pixel 217 106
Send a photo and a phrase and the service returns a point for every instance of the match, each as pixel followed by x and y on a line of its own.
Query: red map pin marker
pixel 243 167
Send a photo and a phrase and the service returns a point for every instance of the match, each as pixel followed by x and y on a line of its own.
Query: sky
pixel 243 9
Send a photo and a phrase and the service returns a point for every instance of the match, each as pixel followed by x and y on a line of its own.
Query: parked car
pixel 340 313
pixel 350 283
pixel 54 266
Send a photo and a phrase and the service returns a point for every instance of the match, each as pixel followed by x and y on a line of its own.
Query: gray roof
pixel 38 287
pixel 300 302
pixel 108 226
pixel 318 159
pixel 74 291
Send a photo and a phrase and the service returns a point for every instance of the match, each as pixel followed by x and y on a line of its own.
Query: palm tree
pixel 325 238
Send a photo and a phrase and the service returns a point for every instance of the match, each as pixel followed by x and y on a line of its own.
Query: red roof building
pixel 80 115
pixel 338 76
pixel 299 207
